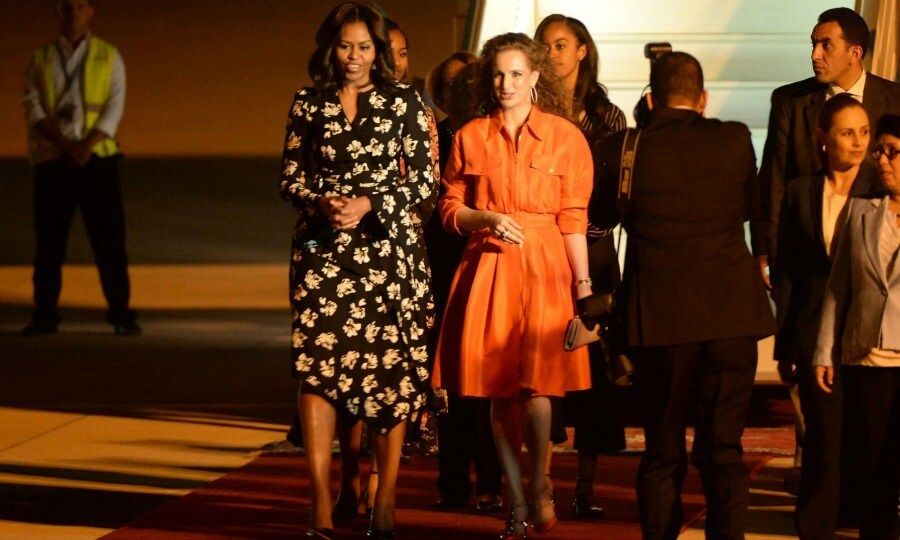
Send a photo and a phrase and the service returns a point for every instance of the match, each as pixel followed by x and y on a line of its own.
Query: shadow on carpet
pixel 268 498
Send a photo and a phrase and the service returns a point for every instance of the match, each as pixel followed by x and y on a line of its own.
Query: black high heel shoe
pixel 346 508
pixel 378 534
pixel 319 534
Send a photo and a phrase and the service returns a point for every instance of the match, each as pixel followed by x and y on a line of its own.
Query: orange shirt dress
pixel 505 322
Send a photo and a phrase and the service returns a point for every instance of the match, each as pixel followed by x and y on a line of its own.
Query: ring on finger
pixel 504 234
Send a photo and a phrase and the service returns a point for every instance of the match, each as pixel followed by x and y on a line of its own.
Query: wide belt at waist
pixel 533 219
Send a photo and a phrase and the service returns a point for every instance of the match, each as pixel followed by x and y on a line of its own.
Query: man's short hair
pixel 853 26
pixel 676 74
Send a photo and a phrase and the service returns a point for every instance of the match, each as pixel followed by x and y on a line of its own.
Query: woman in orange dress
pixel 518 182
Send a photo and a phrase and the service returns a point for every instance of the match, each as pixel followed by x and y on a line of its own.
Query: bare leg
pixel 537 436
pixel 387 455
pixel 372 484
pixel 317 417
pixel 350 437
pixel 506 423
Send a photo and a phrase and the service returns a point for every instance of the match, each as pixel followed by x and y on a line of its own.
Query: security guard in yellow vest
pixel 74 98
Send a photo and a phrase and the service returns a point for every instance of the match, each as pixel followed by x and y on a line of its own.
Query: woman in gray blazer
pixel 810 216
pixel 860 329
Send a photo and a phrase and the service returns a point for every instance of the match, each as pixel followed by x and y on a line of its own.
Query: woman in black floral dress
pixel 360 293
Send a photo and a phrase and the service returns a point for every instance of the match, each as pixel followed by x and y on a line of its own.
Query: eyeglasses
pixel 887 151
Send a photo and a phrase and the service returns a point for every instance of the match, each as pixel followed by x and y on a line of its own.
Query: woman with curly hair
pixel 518 182
pixel 360 293
pixel 596 412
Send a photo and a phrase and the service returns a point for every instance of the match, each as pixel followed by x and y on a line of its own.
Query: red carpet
pixel 267 498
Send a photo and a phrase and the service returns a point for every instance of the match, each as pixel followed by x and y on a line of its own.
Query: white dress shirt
pixel 832 206
pixel 856 90
pixel 72 128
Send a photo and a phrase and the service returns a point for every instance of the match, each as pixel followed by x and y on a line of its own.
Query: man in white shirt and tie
pixel 74 97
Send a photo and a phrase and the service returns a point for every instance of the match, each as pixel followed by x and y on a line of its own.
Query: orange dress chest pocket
pixel 544 179
pixel 482 176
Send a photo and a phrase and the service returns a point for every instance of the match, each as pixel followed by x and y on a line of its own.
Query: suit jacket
pixel 791 148
pixel 862 304
pixel 688 275
pixel 804 265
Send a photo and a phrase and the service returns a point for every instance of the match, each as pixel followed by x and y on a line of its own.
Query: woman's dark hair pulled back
pixel 323 67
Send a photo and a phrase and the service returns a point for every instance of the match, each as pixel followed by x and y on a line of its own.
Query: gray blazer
pixel 862 304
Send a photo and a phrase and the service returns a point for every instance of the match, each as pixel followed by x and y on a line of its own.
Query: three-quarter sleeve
pixel 454 182
pixel 421 177
pixel 575 188
pixel 299 182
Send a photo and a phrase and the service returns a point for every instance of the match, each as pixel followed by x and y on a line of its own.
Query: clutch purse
pixel 579 335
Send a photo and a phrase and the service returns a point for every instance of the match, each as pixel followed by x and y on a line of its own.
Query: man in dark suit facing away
pixel 840 41
pixel 693 299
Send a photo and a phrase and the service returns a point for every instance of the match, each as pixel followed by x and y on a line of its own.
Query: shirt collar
pixel 536 123
pixel 67 48
pixel 856 90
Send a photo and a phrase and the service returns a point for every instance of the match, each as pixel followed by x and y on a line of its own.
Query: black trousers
pixel 599 426
pixel 872 408
pixel 464 437
pixel 718 377
pixel 820 486
pixel 59 189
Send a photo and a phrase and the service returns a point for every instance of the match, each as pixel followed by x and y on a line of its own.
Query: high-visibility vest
pixel 95 85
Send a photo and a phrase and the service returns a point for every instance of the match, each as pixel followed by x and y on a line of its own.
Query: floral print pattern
pixel 361 299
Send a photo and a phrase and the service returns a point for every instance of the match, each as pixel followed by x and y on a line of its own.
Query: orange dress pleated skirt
pixel 505 322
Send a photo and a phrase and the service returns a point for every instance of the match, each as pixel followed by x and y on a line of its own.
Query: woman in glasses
pixel 860 332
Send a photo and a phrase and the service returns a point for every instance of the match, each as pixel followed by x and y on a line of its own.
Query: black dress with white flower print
pixel 360 298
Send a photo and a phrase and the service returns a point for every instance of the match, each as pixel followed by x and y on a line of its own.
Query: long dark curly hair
pixel 324 69
pixel 549 88
pixel 590 95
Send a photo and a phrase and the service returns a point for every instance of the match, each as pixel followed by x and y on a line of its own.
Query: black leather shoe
pixel 127 329
pixel 319 534
pixel 489 506
pixel 585 509
pixel 39 328
pixel 451 504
